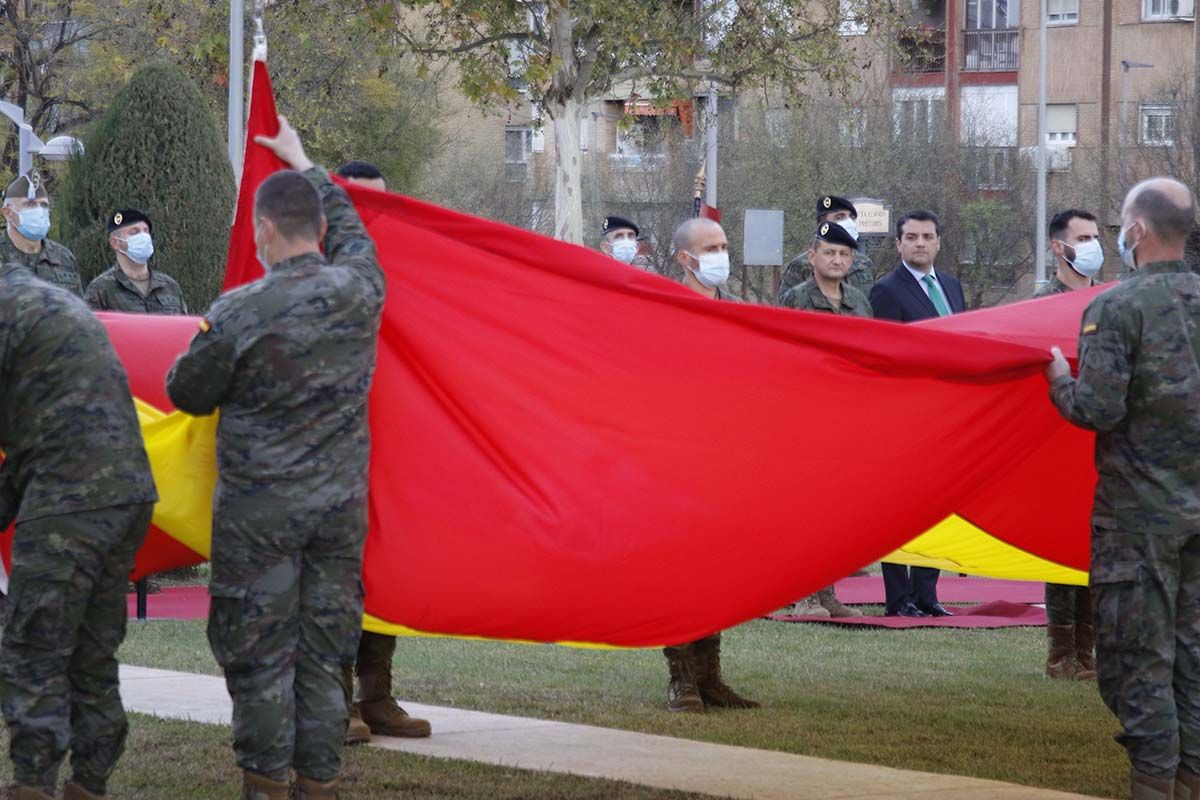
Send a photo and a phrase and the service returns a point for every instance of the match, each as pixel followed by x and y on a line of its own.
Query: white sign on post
pixel 762 243
pixel 874 216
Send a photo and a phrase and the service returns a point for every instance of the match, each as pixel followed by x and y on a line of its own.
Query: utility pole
pixel 237 68
pixel 1040 259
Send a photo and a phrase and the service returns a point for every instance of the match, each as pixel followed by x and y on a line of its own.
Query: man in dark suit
pixel 912 291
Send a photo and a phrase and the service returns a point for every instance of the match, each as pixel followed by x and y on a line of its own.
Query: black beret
pixel 615 223
pixel 829 203
pixel 835 234
pixel 127 216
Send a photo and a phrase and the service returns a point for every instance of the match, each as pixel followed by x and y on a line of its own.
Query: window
pixel 992 167
pixel 518 142
pixel 1160 10
pixel 639 143
pixel 852 23
pixel 1060 125
pixel 1158 124
pixel 920 115
pixel 1063 12
pixel 994 14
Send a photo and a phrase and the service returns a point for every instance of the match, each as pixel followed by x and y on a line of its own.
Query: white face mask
pixel 714 268
pixel 850 226
pixel 624 250
pixel 1089 258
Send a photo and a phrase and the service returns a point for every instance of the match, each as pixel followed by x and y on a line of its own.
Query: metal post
pixel 143 588
pixel 237 68
pixel 1040 261
pixel 710 179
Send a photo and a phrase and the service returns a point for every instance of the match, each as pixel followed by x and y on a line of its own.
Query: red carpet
pixel 951 589
pixel 173 602
pixel 997 614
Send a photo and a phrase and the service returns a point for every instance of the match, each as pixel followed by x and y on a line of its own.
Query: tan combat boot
pixel 1187 784
pixel 682 694
pixel 260 787
pixel 1143 787
pixel 30 793
pixel 829 601
pixel 706 666
pixel 357 731
pixel 73 791
pixel 1060 660
pixel 809 607
pixel 1085 647
pixel 382 714
pixel 308 789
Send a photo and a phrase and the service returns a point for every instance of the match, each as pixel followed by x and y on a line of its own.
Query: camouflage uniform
pixel 1068 606
pixel 808 297
pixel 112 290
pixel 290 376
pixel 78 482
pixel 695 667
pixel 54 263
pixel 799 270
pixel 1139 389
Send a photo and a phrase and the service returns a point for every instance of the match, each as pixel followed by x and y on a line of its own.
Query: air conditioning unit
pixel 1183 9
pixel 1058 158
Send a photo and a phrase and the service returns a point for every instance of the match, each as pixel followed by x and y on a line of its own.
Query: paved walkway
pixel 640 758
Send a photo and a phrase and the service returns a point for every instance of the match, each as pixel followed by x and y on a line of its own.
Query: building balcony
pixel 921 50
pixel 997 50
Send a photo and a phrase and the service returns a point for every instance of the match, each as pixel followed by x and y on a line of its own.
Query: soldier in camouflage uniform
pixel 288 360
pixel 27 212
pixel 376 710
pixel 830 208
pixel 77 481
pixel 702 251
pixel 130 285
pixel 832 252
pixel 1139 390
pixel 1075 240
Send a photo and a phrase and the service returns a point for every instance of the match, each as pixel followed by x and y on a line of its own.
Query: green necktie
pixel 935 294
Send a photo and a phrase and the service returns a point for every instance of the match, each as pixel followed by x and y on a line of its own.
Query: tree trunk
pixel 568 195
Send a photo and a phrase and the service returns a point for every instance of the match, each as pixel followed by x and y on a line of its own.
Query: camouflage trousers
pixel 284 621
pixel 1068 605
pixel 1146 596
pixel 63 623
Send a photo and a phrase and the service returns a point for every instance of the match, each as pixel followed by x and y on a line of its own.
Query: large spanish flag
pixel 569 450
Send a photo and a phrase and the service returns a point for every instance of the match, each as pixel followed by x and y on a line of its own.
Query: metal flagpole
pixel 1040 270
pixel 237 69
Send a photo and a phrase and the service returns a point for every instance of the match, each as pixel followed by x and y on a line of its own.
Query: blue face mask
pixel 34 223
pixel 139 247
pixel 1127 256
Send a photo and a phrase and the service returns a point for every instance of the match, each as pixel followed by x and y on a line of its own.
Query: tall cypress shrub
pixel 158 149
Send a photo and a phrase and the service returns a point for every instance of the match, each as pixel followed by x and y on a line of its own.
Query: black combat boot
pixel 682 694
pixel 706 666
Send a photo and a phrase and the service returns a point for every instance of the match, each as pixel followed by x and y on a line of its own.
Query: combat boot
pixel 1143 787
pixel 73 791
pixel 809 607
pixel 308 789
pixel 357 731
pixel 382 714
pixel 260 787
pixel 1085 647
pixel 682 694
pixel 829 601
pixel 1061 661
pixel 706 666
pixel 30 793
pixel 1187 784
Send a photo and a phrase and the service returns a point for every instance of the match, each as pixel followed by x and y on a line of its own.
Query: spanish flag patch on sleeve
pixel 205 325
pixel 1091 327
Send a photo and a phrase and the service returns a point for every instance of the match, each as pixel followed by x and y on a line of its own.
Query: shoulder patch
pixel 205 325
pixel 1091 327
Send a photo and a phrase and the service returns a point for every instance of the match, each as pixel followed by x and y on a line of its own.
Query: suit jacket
pixel 899 297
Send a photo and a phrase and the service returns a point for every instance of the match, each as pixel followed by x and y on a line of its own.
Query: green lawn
pixel 962 702
pixel 369 773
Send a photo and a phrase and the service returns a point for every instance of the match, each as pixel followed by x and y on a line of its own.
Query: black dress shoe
pixel 937 610
pixel 908 610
